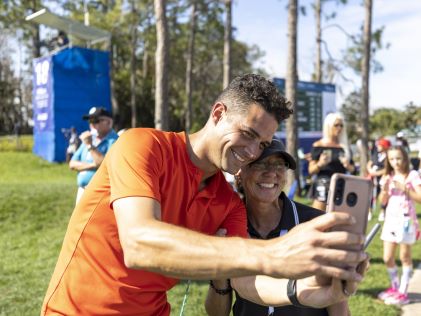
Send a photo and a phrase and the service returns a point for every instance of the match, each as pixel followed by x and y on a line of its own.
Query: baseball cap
pixel 385 143
pixel 95 113
pixel 277 147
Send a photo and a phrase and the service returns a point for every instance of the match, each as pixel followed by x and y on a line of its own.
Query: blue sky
pixel 264 23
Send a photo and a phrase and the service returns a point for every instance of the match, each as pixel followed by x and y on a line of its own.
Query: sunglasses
pixel 265 166
pixel 96 121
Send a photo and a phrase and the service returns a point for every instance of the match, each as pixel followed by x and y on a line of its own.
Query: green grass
pixel 12 143
pixel 36 201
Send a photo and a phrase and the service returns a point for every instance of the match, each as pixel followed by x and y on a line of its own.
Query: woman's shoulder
pixel 318 143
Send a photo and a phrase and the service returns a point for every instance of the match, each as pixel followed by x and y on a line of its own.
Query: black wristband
pixel 292 293
pixel 221 291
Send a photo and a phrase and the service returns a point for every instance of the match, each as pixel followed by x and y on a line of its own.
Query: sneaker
pixel 390 292
pixel 399 299
pixel 381 217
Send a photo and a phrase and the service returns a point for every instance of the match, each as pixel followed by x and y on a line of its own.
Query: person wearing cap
pixel 149 215
pixel 95 144
pixel 376 169
pixel 270 214
pixel 402 141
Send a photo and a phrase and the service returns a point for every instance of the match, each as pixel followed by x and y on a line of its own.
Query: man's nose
pixel 253 151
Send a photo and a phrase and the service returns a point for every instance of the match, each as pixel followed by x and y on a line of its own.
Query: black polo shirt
pixel 244 307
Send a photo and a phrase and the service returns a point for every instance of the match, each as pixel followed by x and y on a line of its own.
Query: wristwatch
pixel 292 294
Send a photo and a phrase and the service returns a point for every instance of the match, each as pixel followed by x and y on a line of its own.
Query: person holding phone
pixel 400 188
pixel 148 216
pixel 329 155
pixel 270 214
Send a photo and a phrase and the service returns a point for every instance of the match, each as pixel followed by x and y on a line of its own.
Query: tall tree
pixel 133 49
pixel 189 66
pixel 291 83
pixel 227 43
pixel 12 17
pixel 318 16
pixel 161 66
pixel 368 5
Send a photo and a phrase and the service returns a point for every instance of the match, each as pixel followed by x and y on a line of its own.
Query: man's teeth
pixel 267 185
pixel 238 157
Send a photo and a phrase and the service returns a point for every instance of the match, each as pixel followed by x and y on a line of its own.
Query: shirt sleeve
pixel 236 221
pixel 415 178
pixel 134 165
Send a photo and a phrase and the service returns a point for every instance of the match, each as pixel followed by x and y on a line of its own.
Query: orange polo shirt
pixel 90 277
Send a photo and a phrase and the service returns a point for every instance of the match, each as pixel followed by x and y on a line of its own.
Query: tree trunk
pixel 161 66
pixel 318 13
pixel 227 44
pixel 189 68
pixel 290 85
pixel 36 45
pixel 114 102
pixel 365 85
pixel 133 65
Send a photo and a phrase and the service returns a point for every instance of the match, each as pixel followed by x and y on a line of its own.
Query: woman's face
pixel 337 127
pixel 264 180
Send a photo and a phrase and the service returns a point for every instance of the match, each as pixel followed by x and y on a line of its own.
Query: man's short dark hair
pixel 251 88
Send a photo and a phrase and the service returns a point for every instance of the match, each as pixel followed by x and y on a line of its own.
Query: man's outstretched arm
pixel 150 244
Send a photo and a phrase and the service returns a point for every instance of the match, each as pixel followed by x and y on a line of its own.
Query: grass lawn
pixel 36 201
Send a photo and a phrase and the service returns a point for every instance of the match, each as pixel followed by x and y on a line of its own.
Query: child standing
pixel 400 188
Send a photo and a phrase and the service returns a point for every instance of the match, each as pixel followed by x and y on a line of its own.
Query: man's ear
pixel 219 110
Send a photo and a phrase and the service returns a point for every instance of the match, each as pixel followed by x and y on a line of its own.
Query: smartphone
pixel 352 195
pixel 328 153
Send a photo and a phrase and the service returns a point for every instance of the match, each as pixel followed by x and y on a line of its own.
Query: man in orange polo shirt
pixel 149 214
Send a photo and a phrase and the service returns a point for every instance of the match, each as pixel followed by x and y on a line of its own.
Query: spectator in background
pixel 95 144
pixel 74 142
pixel 376 169
pixel 402 141
pixel 401 187
pixel 330 154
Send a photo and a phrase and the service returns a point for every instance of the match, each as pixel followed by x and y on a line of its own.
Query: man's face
pixel 241 139
pixel 102 124
pixel 264 180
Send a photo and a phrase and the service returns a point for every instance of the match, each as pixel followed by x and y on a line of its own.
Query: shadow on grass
pixel 414 297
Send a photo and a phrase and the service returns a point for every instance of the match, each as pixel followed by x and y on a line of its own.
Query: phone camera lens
pixel 351 199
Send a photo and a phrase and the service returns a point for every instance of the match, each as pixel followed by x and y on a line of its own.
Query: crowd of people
pixel 159 209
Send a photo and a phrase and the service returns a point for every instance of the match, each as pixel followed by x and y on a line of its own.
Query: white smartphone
pixel 352 195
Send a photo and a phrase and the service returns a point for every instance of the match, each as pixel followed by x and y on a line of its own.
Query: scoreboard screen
pixel 314 102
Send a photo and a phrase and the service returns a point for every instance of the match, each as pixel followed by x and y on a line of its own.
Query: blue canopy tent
pixel 66 84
